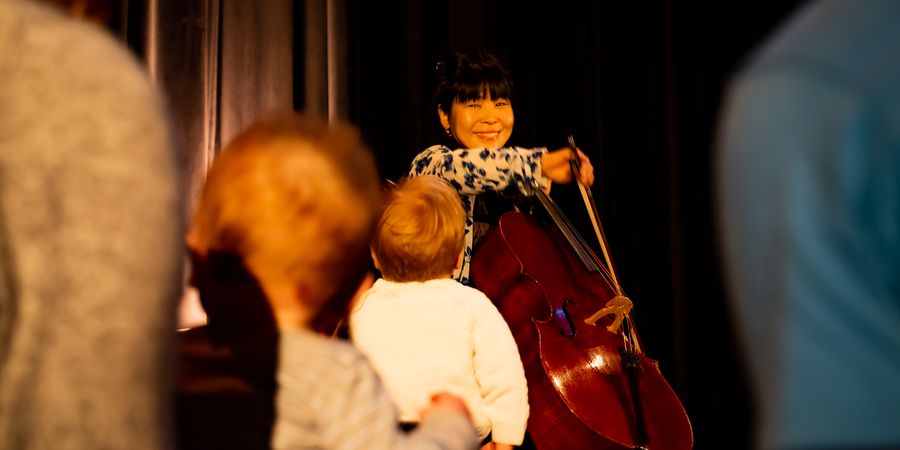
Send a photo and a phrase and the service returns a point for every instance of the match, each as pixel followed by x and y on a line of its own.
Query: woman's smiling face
pixel 480 123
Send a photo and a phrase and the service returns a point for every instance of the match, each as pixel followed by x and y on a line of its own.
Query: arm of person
pixel 499 371
pixel 344 406
pixel 475 171
pixel 555 166
pixel 495 446
pixel 445 418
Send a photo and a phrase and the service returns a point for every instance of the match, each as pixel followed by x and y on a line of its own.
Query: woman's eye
pixel 472 105
pixel 501 104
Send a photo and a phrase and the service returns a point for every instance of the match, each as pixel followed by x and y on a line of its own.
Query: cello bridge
pixel 619 306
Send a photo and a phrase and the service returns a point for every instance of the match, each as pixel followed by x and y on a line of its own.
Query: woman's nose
pixel 489 114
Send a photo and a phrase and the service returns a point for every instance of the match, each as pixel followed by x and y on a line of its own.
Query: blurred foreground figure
pixel 90 239
pixel 280 239
pixel 809 173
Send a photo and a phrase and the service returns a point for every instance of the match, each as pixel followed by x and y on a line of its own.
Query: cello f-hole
pixel 564 319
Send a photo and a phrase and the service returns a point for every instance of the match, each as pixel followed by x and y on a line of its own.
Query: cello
pixel 590 386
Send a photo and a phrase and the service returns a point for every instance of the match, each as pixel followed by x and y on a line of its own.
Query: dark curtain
pixel 180 45
pixel 220 64
pixel 638 84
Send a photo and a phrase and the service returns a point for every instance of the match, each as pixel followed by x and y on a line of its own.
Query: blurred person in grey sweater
pixel 90 239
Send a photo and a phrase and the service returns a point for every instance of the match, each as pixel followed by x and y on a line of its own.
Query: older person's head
pixel 295 200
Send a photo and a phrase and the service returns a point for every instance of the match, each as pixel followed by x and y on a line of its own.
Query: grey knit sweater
pixel 90 239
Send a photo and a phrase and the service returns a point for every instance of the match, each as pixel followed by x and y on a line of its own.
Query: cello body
pixel 579 396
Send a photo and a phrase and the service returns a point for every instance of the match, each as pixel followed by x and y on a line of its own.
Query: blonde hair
pixel 420 233
pixel 296 199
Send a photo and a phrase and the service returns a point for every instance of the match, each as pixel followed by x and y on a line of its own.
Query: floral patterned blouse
pixel 475 171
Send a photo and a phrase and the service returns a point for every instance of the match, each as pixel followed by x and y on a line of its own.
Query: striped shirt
pixel 329 397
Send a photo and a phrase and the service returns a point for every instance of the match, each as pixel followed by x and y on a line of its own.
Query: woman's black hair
pixel 466 76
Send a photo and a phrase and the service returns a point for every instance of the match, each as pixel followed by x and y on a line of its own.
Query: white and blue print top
pixel 475 171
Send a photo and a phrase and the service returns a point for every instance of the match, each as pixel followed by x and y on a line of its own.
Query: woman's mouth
pixel 487 135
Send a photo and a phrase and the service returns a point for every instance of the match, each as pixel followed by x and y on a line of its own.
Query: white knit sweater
pixel 441 336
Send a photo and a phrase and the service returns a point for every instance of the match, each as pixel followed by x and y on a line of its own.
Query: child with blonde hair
pixel 423 331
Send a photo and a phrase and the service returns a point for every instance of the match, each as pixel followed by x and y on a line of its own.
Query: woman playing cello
pixel 473 98
pixel 590 386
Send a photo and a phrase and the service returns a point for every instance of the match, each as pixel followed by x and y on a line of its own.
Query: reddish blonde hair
pixel 296 199
pixel 420 233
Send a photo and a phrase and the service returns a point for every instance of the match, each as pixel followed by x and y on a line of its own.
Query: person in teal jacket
pixel 808 173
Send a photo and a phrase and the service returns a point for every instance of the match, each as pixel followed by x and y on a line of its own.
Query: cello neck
pixel 577 243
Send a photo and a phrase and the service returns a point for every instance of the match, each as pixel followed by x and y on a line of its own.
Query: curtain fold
pixel 181 51
pixel 257 62
pixel 222 65
pixel 325 59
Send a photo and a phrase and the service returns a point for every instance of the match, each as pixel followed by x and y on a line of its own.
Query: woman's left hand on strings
pixel 555 166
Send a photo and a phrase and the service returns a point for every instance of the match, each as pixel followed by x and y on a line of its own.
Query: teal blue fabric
pixel 808 173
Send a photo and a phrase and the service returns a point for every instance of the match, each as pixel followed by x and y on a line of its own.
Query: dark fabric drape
pixel 256 67
pixel 181 49
pixel 222 64
pixel 324 59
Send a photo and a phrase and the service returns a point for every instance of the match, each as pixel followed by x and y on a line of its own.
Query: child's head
pixel 420 233
pixel 295 199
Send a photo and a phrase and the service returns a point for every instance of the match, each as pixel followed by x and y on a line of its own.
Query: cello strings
pixel 564 228
pixel 575 240
pixel 567 229
pixel 590 259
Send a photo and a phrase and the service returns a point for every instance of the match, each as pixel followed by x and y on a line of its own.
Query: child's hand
pixel 496 446
pixel 446 402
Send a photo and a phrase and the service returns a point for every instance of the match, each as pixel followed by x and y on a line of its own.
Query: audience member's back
pixel 90 239
pixel 810 198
